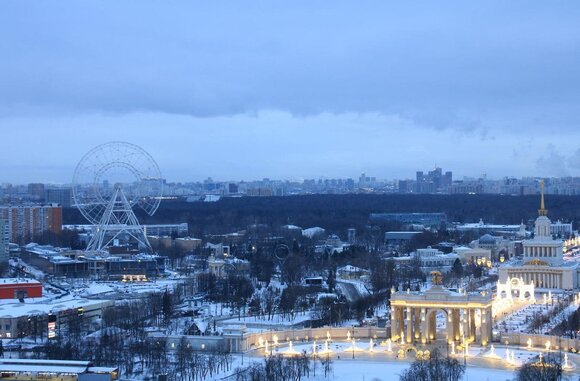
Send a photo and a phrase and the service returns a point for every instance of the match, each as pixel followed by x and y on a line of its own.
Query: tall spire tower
pixel 542 211
pixel 542 229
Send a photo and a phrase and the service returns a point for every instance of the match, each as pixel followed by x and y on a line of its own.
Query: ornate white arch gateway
pixel 468 316
pixel 516 284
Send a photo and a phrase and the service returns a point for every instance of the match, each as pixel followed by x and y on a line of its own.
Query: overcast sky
pixel 292 89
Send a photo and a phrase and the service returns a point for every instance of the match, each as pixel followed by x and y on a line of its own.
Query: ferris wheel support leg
pixel 117 220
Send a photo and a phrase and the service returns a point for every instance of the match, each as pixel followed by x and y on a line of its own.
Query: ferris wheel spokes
pixel 136 181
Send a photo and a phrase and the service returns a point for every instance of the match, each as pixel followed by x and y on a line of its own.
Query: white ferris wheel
pixel 109 181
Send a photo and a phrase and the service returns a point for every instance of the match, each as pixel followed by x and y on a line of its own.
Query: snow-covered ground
pixel 278 320
pixel 347 369
pixel 358 363
pixel 566 312
pixel 355 370
pixel 520 316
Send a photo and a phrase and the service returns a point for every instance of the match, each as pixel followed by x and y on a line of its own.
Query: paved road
pixel 349 290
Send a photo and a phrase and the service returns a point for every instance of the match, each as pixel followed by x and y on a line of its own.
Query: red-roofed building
pixel 12 288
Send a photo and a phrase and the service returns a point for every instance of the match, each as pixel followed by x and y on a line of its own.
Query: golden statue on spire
pixel 542 211
pixel 436 278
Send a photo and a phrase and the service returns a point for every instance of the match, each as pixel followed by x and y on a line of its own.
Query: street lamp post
pixel 353 342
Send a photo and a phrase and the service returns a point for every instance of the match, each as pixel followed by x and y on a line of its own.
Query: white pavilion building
pixel 543 262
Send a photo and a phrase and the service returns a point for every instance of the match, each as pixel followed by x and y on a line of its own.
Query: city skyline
pixel 292 91
pixel 356 179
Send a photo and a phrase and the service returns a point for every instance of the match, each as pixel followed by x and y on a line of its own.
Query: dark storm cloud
pixel 442 64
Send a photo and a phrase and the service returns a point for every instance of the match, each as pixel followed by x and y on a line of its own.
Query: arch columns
pixel 485 326
pixel 472 324
pixel 433 326
pixel 416 324
pixel 465 322
pixel 450 326
pixel 424 326
pixel 409 323
pixel 414 316
pixel 395 323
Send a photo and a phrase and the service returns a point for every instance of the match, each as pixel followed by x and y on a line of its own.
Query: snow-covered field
pixel 384 369
pixel 355 370
pixel 347 369
pixel 278 320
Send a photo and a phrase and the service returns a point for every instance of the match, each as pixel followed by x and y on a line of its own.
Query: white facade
pixel 430 260
pixel 561 228
pixel 469 255
pixel 543 263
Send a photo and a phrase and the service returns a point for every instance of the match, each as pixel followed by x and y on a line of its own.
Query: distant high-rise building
pixel 36 191
pixel 364 180
pixel 264 192
pixel 448 179
pixel 403 186
pixel 420 177
pixel 26 223
pixel 61 196
pixel 434 181
pixel 4 240
pixel 233 188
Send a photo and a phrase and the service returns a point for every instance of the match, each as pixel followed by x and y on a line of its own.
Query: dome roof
pixel 487 239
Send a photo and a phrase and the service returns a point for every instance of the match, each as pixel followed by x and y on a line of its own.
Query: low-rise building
pixel 470 255
pixel 486 228
pixel 153 230
pixel 350 272
pixel 156 241
pixel 15 316
pixel 222 267
pixel 332 245
pixel 29 369
pixel 20 288
pixel 399 240
pixel 80 264
pixel 495 244
pixel 187 243
pixel 429 260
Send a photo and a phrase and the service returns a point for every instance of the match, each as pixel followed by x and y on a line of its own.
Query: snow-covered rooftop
pixel 311 232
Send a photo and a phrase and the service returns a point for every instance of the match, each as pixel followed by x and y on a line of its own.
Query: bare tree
pixel 437 368
pixel 547 369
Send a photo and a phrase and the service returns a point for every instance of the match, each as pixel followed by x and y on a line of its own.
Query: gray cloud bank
pixel 328 88
pixel 444 64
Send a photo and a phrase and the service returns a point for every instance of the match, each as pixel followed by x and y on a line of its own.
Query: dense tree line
pixel 233 290
pixel 279 368
pixel 123 342
pixel 337 213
